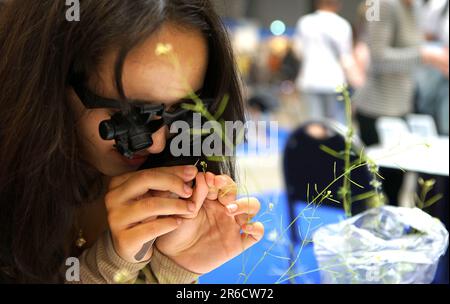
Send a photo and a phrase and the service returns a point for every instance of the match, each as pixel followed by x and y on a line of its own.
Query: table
pixel 430 156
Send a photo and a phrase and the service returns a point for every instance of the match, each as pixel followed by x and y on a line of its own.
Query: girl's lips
pixel 135 161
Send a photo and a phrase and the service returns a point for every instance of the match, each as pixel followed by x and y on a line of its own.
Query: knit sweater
pixel 394 42
pixel 100 264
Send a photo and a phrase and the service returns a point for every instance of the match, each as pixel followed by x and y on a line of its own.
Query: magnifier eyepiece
pixel 107 130
pixel 140 142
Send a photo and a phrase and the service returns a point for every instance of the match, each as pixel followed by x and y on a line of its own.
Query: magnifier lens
pixel 107 130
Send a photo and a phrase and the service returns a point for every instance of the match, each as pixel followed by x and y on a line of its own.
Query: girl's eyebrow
pixel 92 100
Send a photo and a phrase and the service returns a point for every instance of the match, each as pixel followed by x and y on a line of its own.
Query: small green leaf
pixel 222 106
pixel 331 152
pixel 433 200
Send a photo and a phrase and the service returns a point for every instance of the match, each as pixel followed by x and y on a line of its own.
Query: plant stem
pixel 346 191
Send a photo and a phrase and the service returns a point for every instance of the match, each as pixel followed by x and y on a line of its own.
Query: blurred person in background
pixel 396 51
pixel 432 84
pixel 323 40
pixel 360 48
pixel 432 98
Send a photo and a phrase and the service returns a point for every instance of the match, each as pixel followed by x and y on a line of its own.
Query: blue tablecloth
pixel 266 261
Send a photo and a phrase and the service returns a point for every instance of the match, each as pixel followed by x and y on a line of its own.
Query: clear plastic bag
pixel 387 245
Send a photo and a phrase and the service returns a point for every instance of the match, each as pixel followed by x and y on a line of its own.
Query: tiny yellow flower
pixel 163 49
pixel 204 165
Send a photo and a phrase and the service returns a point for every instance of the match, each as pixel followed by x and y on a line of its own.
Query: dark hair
pixel 42 176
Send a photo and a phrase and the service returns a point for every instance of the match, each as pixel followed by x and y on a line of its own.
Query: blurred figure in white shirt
pixel 436 22
pixel 324 42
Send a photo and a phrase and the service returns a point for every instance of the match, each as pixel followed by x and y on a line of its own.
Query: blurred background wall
pixel 265 11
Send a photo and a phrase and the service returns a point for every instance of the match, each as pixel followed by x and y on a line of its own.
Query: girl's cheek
pixel 92 144
pixel 91 121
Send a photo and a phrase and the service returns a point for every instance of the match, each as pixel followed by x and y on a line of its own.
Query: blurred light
pixel 246 38
pixel 278 28
pixel 278 45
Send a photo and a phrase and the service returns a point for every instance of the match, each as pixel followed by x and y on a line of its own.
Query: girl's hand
pixel 213 236
pixel 136 216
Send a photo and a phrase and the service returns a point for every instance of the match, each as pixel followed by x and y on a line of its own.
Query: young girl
pixel 65 191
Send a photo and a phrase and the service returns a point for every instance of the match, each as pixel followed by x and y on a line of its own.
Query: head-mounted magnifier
pixel 132 130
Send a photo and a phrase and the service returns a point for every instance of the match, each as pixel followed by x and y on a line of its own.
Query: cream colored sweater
pixel 100 264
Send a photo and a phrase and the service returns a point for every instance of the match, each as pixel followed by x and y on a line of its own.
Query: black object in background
pixel 304 162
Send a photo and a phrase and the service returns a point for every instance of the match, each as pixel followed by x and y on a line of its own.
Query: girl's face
pixel 147 75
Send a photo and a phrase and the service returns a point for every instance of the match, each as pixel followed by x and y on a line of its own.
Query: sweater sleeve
pixel 163 270
pixel 387 58
pixel 100 264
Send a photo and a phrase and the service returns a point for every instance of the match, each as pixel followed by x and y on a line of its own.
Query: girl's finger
pixel 200 193
pixel 187 173
pixel 252 234
pixel 227 189
pixel 213 191
pixel 245 205
pixel 135 238
pixel 128 215
pixel 143 181
pixel 243 219
pixel 119 180
pixel 168 194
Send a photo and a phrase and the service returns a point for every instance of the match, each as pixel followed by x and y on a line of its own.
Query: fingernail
pixel 191 207
pixel 232 208
pixel 190 170
pixel 248 227
pixel 187 189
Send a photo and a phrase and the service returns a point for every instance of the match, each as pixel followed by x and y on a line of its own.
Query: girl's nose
pixel 159 141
